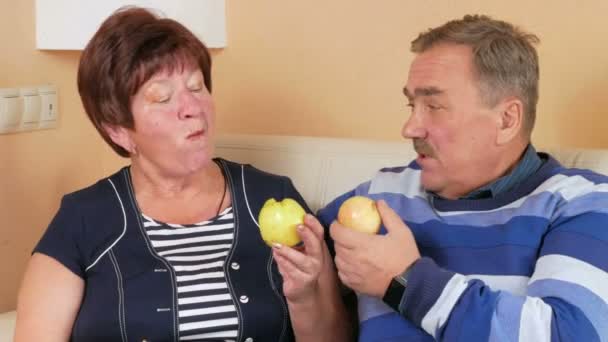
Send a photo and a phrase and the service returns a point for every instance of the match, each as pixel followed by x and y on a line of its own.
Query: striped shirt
pixel 526 265
pixel 197 253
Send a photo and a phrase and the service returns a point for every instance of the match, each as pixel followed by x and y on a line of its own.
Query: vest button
pixel 235 266
pixel 248 339
pixel 244 299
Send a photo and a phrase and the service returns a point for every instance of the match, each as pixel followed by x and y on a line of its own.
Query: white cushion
pixel 323 168
pixel 7 326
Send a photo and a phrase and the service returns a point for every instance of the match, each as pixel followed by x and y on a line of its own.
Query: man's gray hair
pixel 504 59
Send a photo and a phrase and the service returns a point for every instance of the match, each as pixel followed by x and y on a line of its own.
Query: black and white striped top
pixel 197 253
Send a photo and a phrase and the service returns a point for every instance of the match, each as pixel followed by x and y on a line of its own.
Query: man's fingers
pixel 346 253
pixel 389 217
pixel 343 264
pixel 346 237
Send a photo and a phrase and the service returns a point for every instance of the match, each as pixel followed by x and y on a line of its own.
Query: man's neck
pixel 495 170
pixel 506 175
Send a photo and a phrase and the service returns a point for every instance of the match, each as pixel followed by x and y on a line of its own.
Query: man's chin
pixel 429 181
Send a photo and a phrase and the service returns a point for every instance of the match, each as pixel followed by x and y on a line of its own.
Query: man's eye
pixel 164 99
pixel 433 107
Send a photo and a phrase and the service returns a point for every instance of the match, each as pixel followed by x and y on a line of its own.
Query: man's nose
pixel 413 128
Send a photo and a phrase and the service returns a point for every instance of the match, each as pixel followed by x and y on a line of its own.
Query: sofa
pixel 323 168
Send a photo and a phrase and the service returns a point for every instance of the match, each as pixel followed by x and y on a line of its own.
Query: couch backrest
pixel 7 326
pixel 323 168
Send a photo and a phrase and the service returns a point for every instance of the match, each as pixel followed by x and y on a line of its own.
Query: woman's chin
pixel 197 161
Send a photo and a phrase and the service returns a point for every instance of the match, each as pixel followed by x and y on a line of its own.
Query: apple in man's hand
pixel 278 221
pixel 360 213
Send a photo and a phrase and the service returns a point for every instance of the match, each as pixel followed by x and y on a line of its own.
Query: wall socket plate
pixel 28 108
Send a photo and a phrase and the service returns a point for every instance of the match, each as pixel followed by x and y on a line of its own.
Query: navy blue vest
pixel 130 292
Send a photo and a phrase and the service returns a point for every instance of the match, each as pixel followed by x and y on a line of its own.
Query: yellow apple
pixel 360 213
pixel 278 221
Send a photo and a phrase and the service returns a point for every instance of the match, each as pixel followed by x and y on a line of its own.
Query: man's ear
pixel 120 136
pixel 510 120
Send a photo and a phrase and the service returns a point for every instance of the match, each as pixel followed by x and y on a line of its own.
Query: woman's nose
pixel 193 104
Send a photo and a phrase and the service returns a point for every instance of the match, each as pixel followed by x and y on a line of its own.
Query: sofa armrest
pixel 7 325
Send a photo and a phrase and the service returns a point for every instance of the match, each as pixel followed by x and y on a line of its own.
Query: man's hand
pixel 367 263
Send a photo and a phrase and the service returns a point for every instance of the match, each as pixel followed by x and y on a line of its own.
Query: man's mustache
pixel 421 147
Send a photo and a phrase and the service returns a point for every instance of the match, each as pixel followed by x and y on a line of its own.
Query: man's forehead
pixel 432 71
pixel 443 57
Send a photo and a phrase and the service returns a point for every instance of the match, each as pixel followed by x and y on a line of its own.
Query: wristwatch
pixel 395 290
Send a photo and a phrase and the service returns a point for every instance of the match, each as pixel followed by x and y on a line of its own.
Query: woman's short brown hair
pixel 130 47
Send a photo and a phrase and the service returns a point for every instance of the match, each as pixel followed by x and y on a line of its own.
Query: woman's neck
pixel 151 180
pixel 180 199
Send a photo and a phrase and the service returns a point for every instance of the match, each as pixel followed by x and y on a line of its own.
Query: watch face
pixel 394 294
pixel 401 280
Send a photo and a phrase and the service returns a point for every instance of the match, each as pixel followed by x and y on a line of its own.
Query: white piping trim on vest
pixel 124 229
pixel 245 193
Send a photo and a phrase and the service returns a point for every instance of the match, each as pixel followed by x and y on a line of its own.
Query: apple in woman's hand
pixel 360 213
pixel 278 221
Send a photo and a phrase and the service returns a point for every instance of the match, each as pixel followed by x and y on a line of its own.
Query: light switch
pixel 31 108
pixel 10 110
pixel 48 106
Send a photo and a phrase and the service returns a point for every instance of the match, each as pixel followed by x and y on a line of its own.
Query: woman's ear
pixel 121 137
pixel 511 115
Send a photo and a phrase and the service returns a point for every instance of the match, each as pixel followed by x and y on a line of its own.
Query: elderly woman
pixel 168 248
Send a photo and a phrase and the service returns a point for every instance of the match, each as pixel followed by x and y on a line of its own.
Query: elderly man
pixel 484 239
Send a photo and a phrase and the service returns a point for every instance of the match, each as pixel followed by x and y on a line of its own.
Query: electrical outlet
pixel 28 108
pixel 48 106
pixel 10 110
pixel 31 108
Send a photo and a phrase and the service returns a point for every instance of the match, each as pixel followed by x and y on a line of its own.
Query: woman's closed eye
pixel 196 87
pixel 163 99
pixel 158 96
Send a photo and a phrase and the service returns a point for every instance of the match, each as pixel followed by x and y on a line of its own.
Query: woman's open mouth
pixel 196 134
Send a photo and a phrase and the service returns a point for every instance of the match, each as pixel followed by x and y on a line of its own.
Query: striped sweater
pixel 197 253
pixel 527 265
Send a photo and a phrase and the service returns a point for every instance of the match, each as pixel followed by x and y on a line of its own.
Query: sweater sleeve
pixel 566 298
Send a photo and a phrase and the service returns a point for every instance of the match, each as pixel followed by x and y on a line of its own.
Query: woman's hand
pixel 310 284
pixel 301 266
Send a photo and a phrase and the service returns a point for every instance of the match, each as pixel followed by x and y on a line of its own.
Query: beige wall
pixel 318 67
